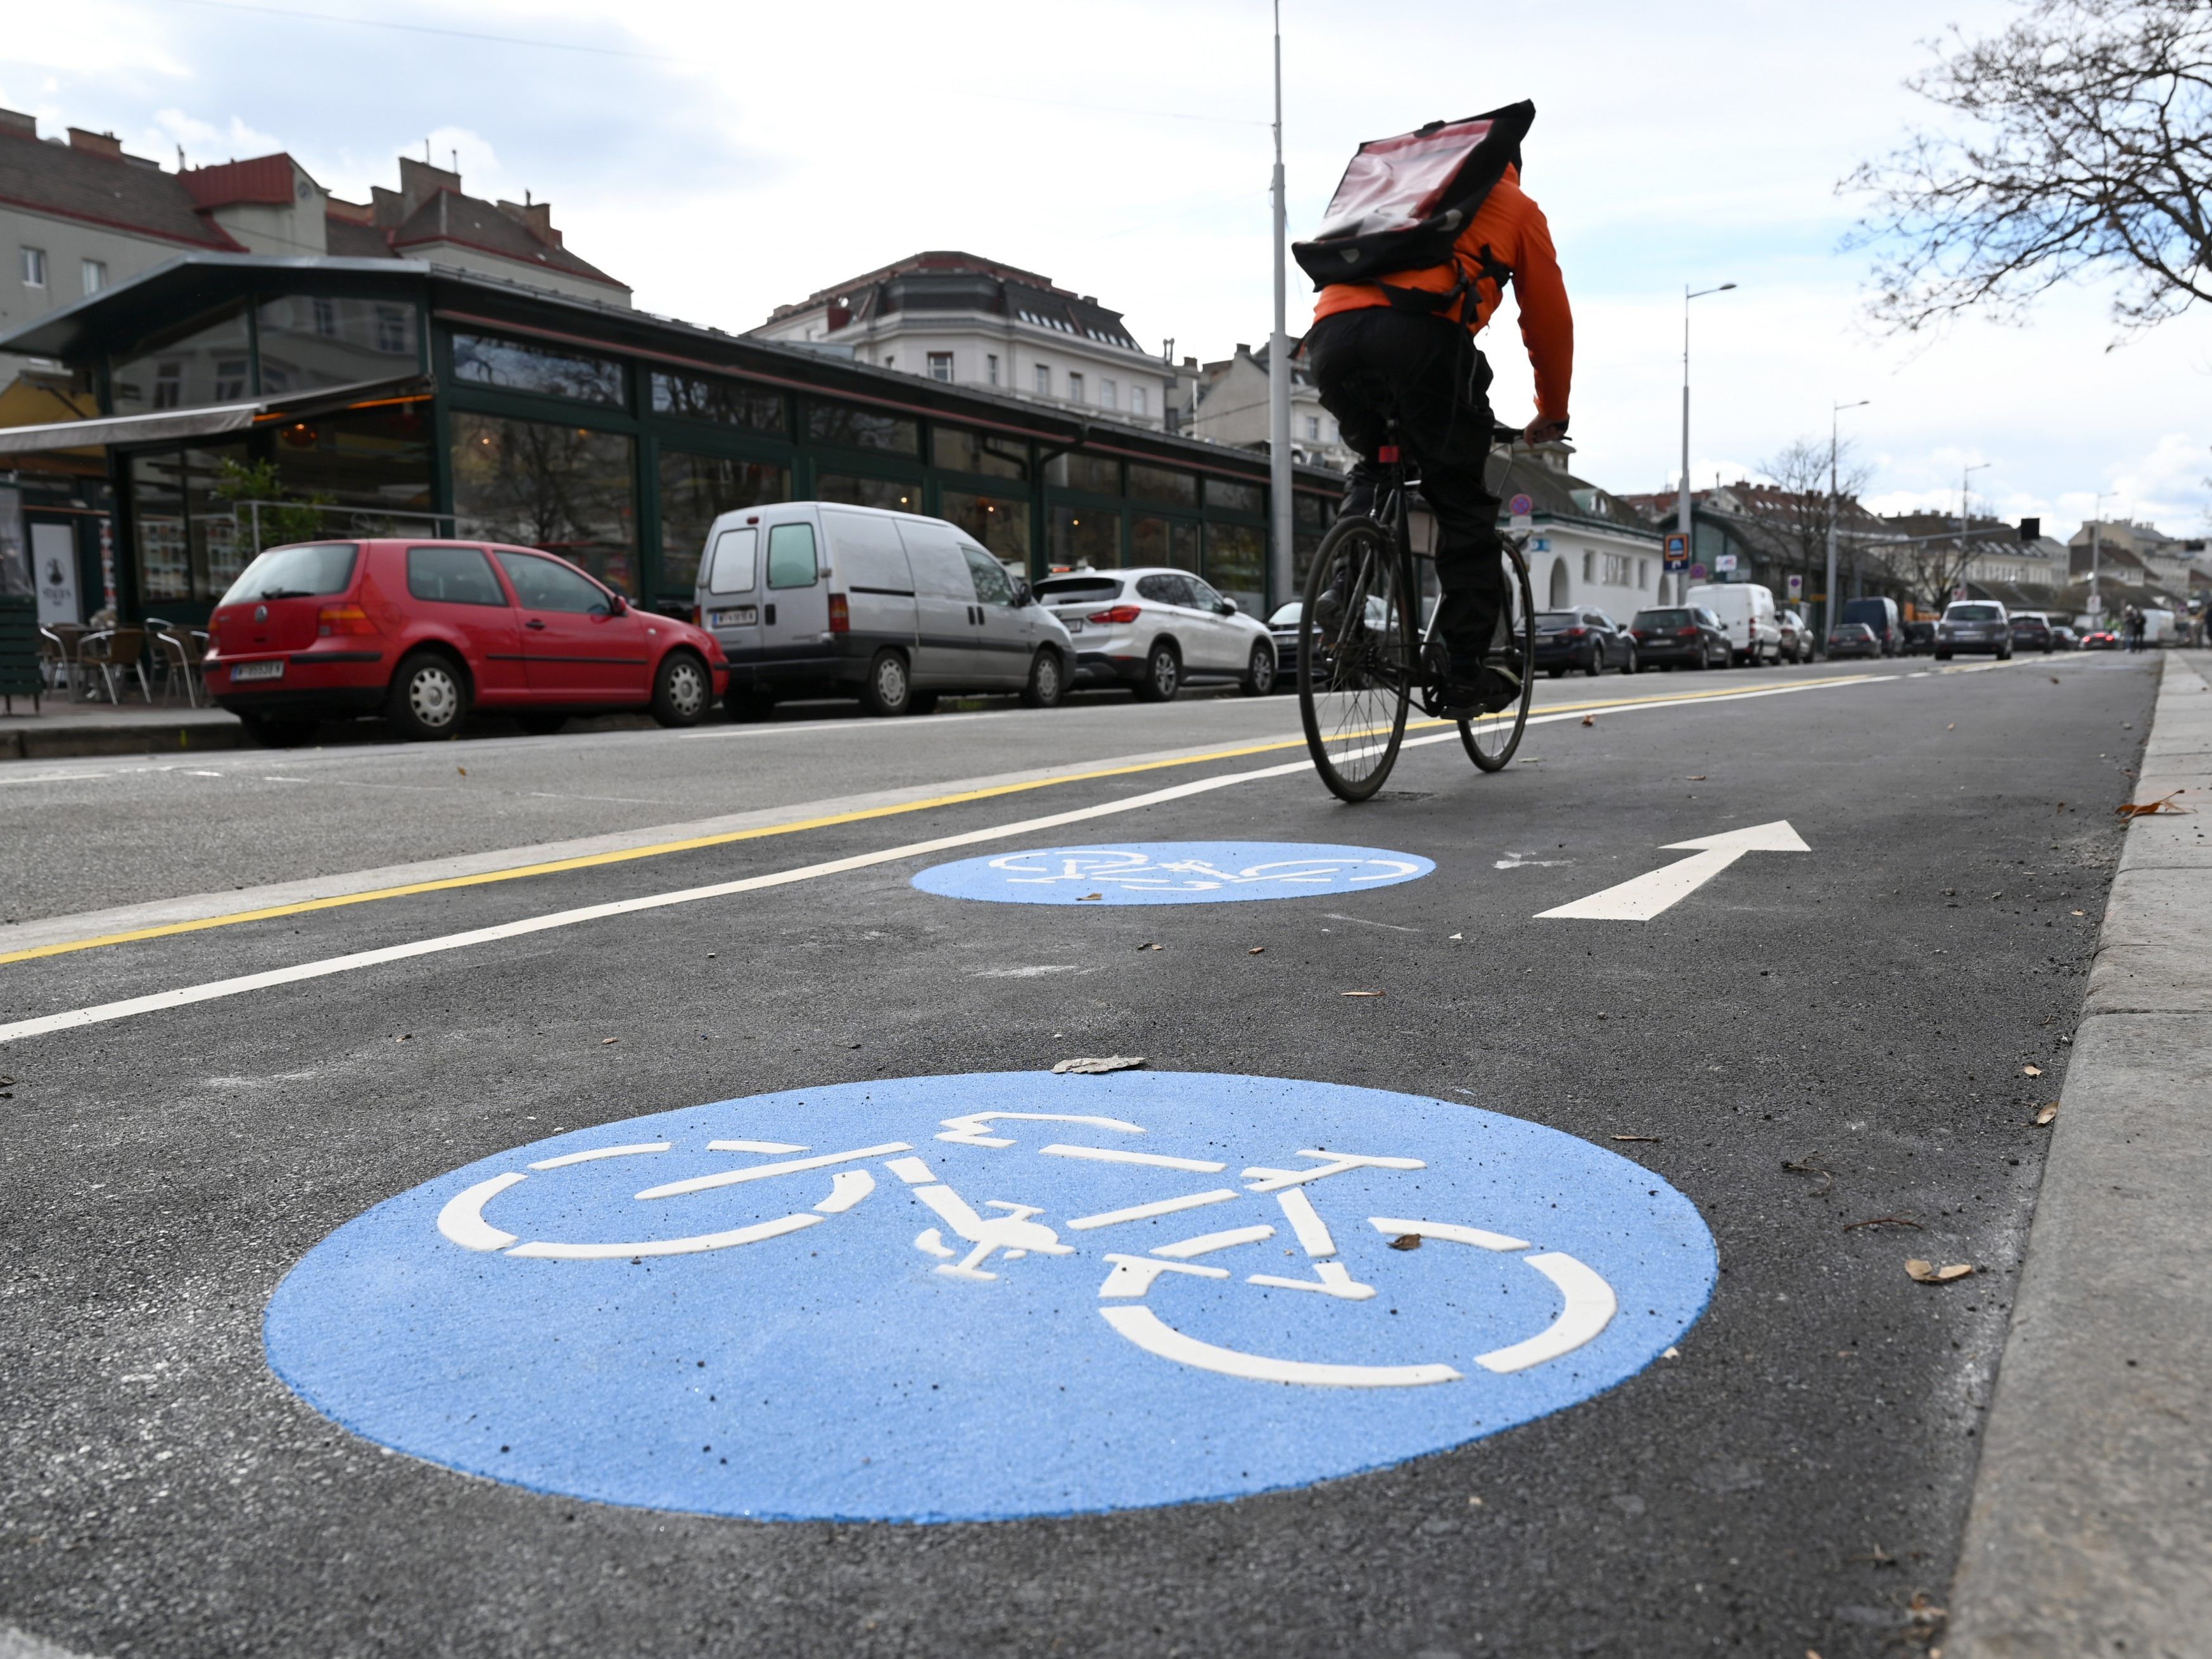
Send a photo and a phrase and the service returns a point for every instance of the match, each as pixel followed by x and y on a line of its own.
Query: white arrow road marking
pixel 1648 895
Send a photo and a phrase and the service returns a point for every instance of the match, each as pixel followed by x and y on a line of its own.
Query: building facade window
pixel 1042 377
pixel 940 366
pixel 564 489
pixel 1099 474
pixel 95 276
pixel 200 365
pixel 1163 541
pixel 1234 497
pixel 856 427
pixel 549 371
pixel 333 342
pixel 958 449
pixel 1235 562
pixel 726 402
pixel 991 369
pixel 1107 393
pixel 1001 523
pixel 1137 400
pixel 34 267
pixel 1074 387
pixel 892 494
pixel 695 490
pixel 1160 483
pixel 1313 428
pixel 1083 535
pixel 1589 566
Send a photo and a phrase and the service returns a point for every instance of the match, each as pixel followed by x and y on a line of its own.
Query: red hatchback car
pixel 422 632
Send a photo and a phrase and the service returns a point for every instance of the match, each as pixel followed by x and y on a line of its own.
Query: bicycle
pixel 1360 668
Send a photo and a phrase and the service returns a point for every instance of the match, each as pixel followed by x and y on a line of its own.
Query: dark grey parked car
pixel 1974 625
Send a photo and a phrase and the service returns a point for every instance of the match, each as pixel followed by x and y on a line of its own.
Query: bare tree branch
pixel 2087 152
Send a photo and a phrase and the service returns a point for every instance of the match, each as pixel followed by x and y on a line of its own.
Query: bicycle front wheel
pixel 1355 652
pixel 1489 739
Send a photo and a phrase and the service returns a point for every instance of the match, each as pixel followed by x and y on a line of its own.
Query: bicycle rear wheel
pixel 1354 682
pixel 1489 739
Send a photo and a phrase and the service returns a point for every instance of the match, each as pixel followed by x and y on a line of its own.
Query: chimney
pixel 537 215
pixel 1243 348
pixel 15 123
pixel 96 143
pixel 419 181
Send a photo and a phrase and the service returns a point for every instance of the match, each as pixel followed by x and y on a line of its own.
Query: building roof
pixel 265 180
pixel 949 281
pixel 103 186
pixel 1556 493
pixel 461 221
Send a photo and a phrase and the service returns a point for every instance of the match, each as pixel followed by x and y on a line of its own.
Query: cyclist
pixel 1404 347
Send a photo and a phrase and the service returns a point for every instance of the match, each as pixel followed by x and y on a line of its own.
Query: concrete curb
pixel 2090 1531
pixel 137 738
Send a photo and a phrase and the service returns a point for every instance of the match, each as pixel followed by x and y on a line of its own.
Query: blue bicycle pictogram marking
pixel 992 1296
pixel 1172 872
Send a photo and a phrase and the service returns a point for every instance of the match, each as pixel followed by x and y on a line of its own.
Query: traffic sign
pixel 1725 564
pixel 990 1296
pixel 1797 586
pixel 1172 872
pixel 1678 550
pixel 1521 506
pixel 1696 573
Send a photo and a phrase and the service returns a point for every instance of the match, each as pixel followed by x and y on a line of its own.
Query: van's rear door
pixel 795 642
pixel 729 597
pixel 868 566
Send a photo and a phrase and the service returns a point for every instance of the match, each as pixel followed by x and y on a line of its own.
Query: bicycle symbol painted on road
pixel 992 1295
pixel 1172 872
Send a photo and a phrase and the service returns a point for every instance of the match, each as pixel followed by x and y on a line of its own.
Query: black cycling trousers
pixel 1371 364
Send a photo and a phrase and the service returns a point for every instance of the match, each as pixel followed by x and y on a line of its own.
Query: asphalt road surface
pixel 1827 1052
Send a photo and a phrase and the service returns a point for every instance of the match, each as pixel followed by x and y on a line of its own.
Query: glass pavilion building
pixel 415 400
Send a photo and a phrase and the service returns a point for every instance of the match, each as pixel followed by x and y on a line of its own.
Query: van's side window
pixel 791 555
pixel 993 585
pixel 731 570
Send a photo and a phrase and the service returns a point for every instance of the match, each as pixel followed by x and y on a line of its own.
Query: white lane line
pixel 214 990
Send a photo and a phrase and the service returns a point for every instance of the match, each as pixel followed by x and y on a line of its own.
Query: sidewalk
pixel 2090 1531
pixel 62 727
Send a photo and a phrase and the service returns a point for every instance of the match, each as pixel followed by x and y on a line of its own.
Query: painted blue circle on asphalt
pixel 1172 872
pixel 991 1296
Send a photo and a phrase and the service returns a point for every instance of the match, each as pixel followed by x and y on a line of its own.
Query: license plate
pixel 1075 626
pixel 744 616
pixel 259 670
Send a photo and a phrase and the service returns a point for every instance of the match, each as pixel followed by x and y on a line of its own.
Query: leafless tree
pixel 1794 509
pixel 1932 571
pixel 2087 149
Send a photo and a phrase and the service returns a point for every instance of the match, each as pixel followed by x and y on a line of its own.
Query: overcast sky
pixel 723 158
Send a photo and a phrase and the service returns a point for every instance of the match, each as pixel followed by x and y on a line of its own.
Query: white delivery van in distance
pixel 1745 610
pixel 819 599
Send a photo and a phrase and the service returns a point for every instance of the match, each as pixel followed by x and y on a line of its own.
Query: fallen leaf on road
pixel 2047 1116
pixel 1650 1138
pixel 410 1037
pixel 1406 1242
pixel 1953 726
pixel 1257 950
pixel 2031 1070
pixel 2075 913
pixel 1885 1221
pixel 1590 719
pixel 1087 897
pixel 1696 778
pixel 1922 1272
pixel 1151 947
pixel 604 1040
pixel 1359 993
pixel 2163 804
pixel 462 770
pixel 2054 680
pixel 1090 1064
pixel 2060 807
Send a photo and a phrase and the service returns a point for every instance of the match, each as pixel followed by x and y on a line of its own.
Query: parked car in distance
pixel 1679 636
pixel 1587 640
pixel 2063 638
pixel 1745 611
pixel 1796 636
pixel 1979 625
pixel 820 599
pixel 2101 639
pixel 2030 632
pixel 1919 638
pixel 1853 638
pixel 1155 629
pixel 422 632
pixel 1881 619
pixel 1283 625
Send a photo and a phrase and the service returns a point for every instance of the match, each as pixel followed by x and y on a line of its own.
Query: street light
pixel 1835 510
pixel 1682 505
pixel 1965 480
pixel 2096 606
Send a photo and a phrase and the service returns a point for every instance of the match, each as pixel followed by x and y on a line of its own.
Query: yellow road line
pixel 661 849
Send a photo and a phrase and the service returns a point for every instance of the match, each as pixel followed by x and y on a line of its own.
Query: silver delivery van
pixel 819 599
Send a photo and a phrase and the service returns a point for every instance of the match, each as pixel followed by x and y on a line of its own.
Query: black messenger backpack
pixel 1404 201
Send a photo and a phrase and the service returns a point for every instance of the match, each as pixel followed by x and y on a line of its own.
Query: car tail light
pixel 1575 633
pixel 697 620
pixel 1686 633
pixel 1119 614
pixel 339 621
pixel 840 615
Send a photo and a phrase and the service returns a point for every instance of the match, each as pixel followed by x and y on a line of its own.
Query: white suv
pixel 1155 629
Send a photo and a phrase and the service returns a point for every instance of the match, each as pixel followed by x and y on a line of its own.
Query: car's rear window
pixel 453 575
pixel 1554 622
pixel 1972 613
pixel 1072 590
pixel 1661 619
pixel 295 573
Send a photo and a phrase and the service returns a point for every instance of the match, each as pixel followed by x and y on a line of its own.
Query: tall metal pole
pixel 1279 369
pixel 1965 482
pixel 1682 502
pixel 2096 531
pixel 1835 513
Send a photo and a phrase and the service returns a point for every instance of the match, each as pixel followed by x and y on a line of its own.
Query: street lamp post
pixel 1682 503
pixel 2096 531
pixel 1965 482
pixel 1835 510
pixel 1278 369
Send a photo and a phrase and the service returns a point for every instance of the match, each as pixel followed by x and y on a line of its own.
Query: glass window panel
pixel 695 491
pixel 157 518
pixel 1083 535
pixel 206 364
pixel 365 460
pixel 305 572
pixel 1001 523
pixel 790 561
pixel 315 342
pixel 526 366
pixel 993 585
pixel 1099 474
pixel 219 552
pixel 862 429
pixel 1227 497
pixel 726 402
pixel 1158 484
pixel 1155 540
pixel 890 493
pixel 960 450
pixel 542 585
pixel 734 553
pixel 1235 559
pixel 452 576
pixel 1311 512
pixel 562 487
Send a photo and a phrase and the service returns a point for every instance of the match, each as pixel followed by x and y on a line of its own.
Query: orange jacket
pixel 1510 227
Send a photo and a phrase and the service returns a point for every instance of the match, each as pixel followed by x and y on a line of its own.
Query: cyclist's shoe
pixel 1496 685
pixel 1329 607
